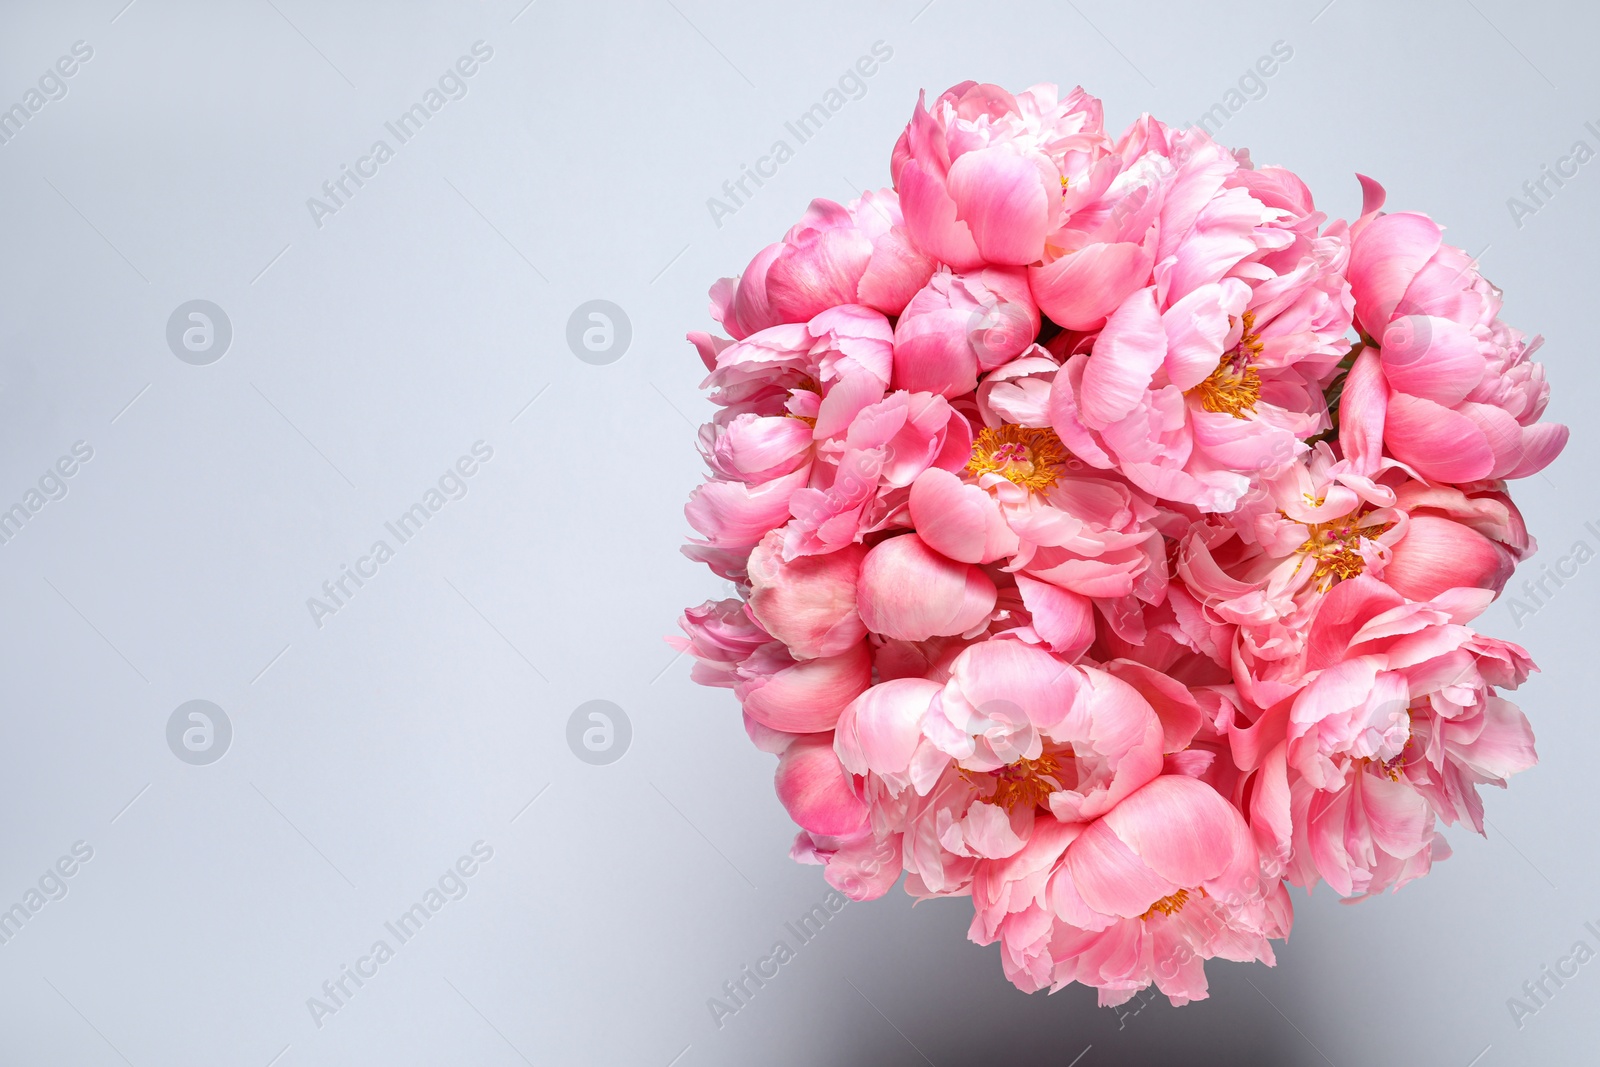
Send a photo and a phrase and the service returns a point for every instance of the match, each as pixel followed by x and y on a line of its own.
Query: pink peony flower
pixel 859 254
pixel 1211 375
pixel 960 325
pixel 984 176
pixel 1106 530
pixel 1450 387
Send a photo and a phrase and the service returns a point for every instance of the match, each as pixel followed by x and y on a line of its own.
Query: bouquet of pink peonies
pixel 1107 526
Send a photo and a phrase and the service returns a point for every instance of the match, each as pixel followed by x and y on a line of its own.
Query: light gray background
pixel 369 354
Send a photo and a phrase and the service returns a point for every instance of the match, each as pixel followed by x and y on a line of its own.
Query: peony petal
pixel 1183 829
pixel 817 791
pixel 1126 355
pixel 931 220
pixel 1432 357
pixel 808 603
pixel 1438 554
pixel 1111 878
pixel 1081 288
pixel 1438 443
pixel 1000 196
pixel 1065 620
pixel 1384 258
pixel 910 592
pixel 959 520
pixel 809 696
pixel 880 729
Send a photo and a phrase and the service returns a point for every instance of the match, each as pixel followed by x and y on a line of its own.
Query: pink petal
pixel 930 216
pixel 1000 196
pixel 1400 820
pixel 1541 444
pixel 808 603
pixel 817 791
pixel 1438 554
pixel 1432 357
pixel 1362 409
pixel 1197 327
pixel 807 279
pixel 1081 288
pixel 959 520
pixel 880 729
pixel 1438 443
pixel 1064 619
pixel 933 354
pixel 1111 878
pixel 1183 829
pixel 1126 355
pixel 897 270
pixel 809 696
pixel 910 592
pixel 1384 258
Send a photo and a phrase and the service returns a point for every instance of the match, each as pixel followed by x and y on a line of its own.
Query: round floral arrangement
pixel 1107 526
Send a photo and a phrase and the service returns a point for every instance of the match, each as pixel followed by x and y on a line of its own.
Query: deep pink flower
pixel 1451 388
pixel 1208 372
pixel 984 176
pixel 1106 531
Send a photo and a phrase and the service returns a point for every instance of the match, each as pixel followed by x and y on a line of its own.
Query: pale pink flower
pixel 855 254
pixel 961 325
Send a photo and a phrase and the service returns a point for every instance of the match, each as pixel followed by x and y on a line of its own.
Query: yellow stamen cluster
pixel 1335 545
pixel 1029 456
pixel 1171 905
pixel 1235 386
pixel 1027 781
